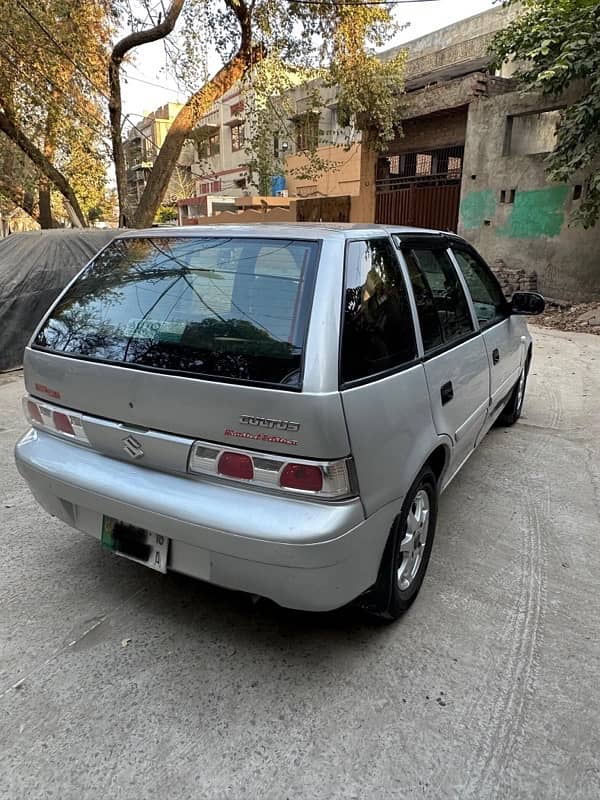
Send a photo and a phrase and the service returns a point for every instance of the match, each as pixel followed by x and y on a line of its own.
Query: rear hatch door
pixel 195 337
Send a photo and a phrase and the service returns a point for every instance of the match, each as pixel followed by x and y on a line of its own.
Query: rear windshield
pixel 226 308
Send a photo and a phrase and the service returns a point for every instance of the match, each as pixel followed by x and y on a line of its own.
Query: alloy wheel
pixel 412 546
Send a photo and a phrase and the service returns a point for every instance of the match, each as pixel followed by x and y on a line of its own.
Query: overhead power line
pixel 76 113
pixel 69 58
pixel 335 3
pixel 61 49
pixel 83 115
pixel 129 77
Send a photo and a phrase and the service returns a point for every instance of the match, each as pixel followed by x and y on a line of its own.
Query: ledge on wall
pixel 262 201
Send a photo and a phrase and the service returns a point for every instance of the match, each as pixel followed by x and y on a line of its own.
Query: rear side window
pixel 227 308
pixel 442 306
pixel 378 333
pixel 489 302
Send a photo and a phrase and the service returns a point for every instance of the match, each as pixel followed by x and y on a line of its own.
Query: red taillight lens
pixel 302 476
pixel 62 423
pixel 34 412
pixel 236 465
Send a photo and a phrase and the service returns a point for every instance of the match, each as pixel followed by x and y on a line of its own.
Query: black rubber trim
pixel 200 376
pixel 378 376
pixel 412 239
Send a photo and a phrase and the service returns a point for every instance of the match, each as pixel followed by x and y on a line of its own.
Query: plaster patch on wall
pixel 477 207
pixel 536 213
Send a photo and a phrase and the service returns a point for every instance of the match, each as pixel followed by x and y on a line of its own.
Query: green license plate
pixel 136 544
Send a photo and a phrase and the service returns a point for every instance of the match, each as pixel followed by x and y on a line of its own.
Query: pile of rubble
pixel 583 317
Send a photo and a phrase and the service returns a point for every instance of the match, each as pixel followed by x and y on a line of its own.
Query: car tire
pixel 407 551
pixel 514 408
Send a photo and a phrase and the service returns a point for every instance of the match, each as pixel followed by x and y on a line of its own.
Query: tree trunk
pixel 44 196
pixel 180 130
pixel 22 198
pixel 45 218
pixel 115 108
pixel 16 135
pixel 16 192
pixel 73 218
pixel 115 112
pixel 365 211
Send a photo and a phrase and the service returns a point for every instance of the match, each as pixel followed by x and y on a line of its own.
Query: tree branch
pixel 115 105
pixel 138 38
pixel 19 197
pixel 197 105
pixel 35 155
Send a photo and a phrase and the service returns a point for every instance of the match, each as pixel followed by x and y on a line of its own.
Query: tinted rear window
pixel 227 308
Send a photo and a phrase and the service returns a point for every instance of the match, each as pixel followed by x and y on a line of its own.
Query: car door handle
pixel 447 392
pixel 495 355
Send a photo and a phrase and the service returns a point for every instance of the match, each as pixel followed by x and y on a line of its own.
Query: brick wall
pixel 442 130
pixel 514 280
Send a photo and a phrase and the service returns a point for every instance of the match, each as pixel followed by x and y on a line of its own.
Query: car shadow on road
pixel 177 607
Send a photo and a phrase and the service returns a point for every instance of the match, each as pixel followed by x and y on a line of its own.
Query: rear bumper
pixel 305 555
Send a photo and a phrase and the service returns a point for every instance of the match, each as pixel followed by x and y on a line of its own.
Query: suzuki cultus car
pixel 272 408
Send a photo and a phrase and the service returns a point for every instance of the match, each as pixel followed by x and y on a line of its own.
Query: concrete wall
pixel 251 215
pixel 485 23
pixel 512 214
pixel 439 97
pixel 341 180
pixel 438 54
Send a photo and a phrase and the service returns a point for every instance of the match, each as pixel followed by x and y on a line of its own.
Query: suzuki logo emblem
pixel 132 447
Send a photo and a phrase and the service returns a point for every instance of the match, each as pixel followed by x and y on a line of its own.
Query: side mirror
pixel 527 303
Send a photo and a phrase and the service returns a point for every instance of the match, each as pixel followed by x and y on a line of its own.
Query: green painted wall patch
pixel 477 207
pixel 536 213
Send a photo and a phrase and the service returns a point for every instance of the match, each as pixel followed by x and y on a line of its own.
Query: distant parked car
pixel 272 408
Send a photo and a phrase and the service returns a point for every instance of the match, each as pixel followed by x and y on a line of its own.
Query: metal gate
pixel 421 189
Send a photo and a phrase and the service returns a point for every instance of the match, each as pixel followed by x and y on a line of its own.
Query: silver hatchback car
pixel 272 408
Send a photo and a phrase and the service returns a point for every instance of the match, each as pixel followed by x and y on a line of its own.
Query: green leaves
pixel 332 45
pixel 53 86
pixel 558 45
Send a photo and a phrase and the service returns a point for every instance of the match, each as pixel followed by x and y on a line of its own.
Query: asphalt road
pixel 116 682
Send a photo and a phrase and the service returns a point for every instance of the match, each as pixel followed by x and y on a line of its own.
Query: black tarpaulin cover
pixel 34 268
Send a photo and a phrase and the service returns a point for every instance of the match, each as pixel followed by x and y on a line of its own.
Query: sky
pixel 139 96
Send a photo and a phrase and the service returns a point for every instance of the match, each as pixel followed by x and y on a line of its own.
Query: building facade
pixel 144 140
pixel 218 160
pixel 473 159
pixel 221 162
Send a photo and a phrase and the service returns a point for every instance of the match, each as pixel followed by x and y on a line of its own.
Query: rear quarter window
pixel 486 294
pixel 442 306
pixel 378 332
pixel 220 307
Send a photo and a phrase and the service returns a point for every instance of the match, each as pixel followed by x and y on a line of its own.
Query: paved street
pixel 116 682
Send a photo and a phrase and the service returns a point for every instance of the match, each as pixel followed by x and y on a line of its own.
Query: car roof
pixel 301 230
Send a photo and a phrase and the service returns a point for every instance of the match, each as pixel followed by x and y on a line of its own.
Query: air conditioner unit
pixel 282 193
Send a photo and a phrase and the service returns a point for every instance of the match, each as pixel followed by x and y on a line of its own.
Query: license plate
pixel 136 544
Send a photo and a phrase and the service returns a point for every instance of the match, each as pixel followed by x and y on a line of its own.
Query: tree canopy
pixel 52 89
pixel 558 42
pixel 60 73
pixel 274 43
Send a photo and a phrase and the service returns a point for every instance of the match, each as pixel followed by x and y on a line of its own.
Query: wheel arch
pixel 438 460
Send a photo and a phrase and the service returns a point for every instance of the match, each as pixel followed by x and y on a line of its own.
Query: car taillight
pixel 33 413
pixel 55 420
pixel 236 465
pixel 62 423
pixel 323 479
pixel 306 477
